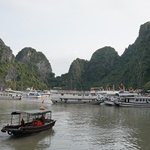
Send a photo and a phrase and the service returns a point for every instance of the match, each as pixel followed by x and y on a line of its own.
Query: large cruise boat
pixel 10 95
pixel 76 97
pixel 132 99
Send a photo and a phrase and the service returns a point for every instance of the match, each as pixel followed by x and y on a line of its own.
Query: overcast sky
pixel 68 29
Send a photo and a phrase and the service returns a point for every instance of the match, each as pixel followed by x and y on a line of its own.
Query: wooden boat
pixel 132 100
pixel 75 97
pixel 41 121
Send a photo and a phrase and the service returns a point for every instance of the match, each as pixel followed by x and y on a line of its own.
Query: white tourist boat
pixel 32 94
pixel 110 97
pixel 10 95
pixel 45 94
pixel 75 97
pixel 132 99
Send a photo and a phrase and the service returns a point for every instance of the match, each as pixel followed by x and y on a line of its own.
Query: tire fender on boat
pixel 9 132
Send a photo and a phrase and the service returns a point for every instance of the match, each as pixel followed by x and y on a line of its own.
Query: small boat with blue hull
pixel 41 120
pixel 32 94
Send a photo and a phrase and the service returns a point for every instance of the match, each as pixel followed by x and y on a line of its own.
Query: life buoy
pixel 9 132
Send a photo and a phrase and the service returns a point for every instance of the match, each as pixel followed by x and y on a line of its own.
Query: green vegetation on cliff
pixel 105 68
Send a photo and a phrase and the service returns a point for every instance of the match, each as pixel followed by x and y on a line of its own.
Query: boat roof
pixel 13 91
pixel 31 112
pixel 127 94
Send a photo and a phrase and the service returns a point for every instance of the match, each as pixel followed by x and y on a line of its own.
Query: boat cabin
pixel 29 115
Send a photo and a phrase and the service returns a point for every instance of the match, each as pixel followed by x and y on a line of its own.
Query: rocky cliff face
pixel 133 68
pixel 7 69
pixel 102 62
pixel 107 67
pixel 144 30
pixel 136 58
pixel 76 74
pixel 27 69
pixel 11 74
pixel 30 55
pixel 5 53
pixel 104 67
pixel 84 73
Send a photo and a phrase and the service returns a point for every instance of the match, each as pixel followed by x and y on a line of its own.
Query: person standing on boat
pixel 42 118
pixel 22 122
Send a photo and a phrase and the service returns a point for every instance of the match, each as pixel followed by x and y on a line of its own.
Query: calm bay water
pixel 82 127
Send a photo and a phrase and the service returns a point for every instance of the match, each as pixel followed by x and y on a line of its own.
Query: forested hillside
pixel 106 68
pixel 30 68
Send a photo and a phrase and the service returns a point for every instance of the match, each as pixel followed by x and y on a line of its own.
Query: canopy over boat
pixel 31 112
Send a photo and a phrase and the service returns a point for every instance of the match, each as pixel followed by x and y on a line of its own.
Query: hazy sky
pixel 68 29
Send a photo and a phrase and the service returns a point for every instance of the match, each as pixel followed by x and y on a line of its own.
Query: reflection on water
pixel 37 141
pixel 84 127
pixel 91 127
